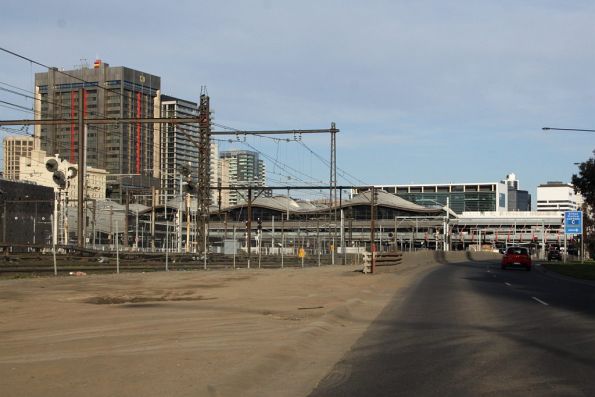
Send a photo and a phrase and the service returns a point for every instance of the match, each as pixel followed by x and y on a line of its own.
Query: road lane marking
pixel 508 284
pixel 540 301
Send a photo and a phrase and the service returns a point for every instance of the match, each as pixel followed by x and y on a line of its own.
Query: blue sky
pixel 422 91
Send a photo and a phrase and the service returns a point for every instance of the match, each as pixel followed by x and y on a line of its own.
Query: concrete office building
pixel 244 168
pixel 129 152
pixel 15 147
pixel 558 197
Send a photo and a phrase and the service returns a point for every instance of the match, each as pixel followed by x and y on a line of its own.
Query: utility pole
pixel 152 229
pixel 126 225
pixel 81 171
pixel 373 226
pixel 180 214
pixel 188 202
pixel 249 224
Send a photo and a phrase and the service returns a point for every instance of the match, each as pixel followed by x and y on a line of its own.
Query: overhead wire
pixel 289 175
pixel 280 164
pixel 292 173
pixel 42 138
pixel 143 128
pixel 61 145
pixel 119 93
pixel 275 161
pixel 347 176
pixel 46 139
pixel 340 171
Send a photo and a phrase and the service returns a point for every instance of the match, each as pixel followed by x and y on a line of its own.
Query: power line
pixel 63 146
pixel 16 106
pixel 297 133
pixel 15 87
pixel 143 128
pixel 286 167
pixel 343 173
pixel 154 143
pixel 276 162
pixel 42 138
pixel 57 70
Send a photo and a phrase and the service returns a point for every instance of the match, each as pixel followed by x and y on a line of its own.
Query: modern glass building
pixel 460 197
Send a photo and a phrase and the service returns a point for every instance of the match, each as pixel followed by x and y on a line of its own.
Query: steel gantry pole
pixel 333 178
pixel 204 173
pixel 333 189
pixel 373 227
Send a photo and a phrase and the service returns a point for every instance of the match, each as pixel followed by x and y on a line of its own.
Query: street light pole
pixel 566 129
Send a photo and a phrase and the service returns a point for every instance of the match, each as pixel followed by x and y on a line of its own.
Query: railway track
pixel 102 263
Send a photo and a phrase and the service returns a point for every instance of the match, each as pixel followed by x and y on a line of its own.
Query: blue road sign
pixel 573 222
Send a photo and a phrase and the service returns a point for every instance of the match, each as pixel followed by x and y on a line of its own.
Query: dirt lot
pixel 199 333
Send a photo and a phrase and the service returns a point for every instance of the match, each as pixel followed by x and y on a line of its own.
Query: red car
pixel 516 256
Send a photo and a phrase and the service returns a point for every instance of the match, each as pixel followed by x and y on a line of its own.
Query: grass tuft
pixel 584 271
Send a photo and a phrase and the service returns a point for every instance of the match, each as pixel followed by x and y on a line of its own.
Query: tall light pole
pixel 583 230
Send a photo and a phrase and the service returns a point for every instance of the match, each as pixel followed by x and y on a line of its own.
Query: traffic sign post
pixel 573 221
pixel 573 224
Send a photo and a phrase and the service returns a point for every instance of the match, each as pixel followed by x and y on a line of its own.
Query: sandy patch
pixel 214 333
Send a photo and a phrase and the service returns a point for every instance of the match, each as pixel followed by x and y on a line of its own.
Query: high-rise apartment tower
pixel 244 168
pixel 179 146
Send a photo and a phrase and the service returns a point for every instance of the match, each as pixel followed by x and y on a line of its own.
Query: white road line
pixel 507 284
pixel 540 301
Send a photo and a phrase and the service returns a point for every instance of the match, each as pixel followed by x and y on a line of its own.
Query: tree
pixel 584 183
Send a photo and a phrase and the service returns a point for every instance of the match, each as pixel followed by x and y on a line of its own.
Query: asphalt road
pixel 475 330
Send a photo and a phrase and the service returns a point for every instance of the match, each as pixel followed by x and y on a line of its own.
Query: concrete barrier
pixel 381 259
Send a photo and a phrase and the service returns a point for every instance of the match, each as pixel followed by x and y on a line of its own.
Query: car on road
pixel 518 257
pixel 554 255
